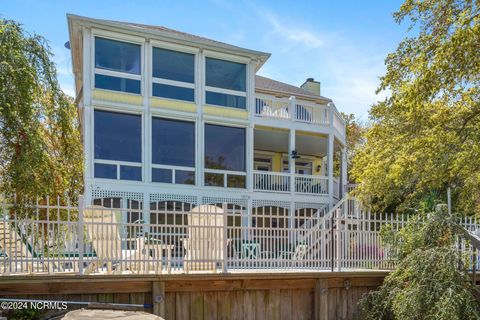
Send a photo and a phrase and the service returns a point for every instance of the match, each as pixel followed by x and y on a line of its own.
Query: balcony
pixel 299 111
pixel 281 182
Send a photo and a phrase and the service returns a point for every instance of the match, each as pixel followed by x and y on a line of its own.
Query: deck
pixel 278 295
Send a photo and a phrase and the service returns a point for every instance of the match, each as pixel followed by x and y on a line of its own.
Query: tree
pixel 427 282
pixel 40 146
pixel 425 137
pixel 355 131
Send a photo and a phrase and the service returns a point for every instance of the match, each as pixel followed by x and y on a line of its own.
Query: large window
pixel 173 74
pixel 117 145
pixel 226 83
pixel 224 156
pixel 117 65
pixel 173 151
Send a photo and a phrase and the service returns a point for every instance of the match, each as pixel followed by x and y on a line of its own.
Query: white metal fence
pixel 113 236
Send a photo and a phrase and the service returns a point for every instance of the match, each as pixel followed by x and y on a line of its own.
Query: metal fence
pixel 110 236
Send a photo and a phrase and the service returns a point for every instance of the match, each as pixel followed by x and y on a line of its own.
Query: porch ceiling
pixel 277 141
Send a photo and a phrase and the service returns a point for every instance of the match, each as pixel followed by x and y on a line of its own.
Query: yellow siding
pixel 173 105
pixel 277 162
pixel 117 97
pixel 317 162
pixel 225 112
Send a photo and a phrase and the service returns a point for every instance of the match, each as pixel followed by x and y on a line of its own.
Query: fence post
pixel 225 238
pixel 81 245
pixel 332 241
pixel 339 243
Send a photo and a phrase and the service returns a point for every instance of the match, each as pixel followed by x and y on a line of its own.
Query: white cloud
pixel 291 34
pixel 347 69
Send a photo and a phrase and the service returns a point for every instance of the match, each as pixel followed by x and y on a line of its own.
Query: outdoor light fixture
pixel 319 167
pixel 295 154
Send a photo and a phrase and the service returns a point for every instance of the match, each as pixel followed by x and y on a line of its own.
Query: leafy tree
pixel 427 282
pixel 40 147
pixel 426 135
pixel 355 137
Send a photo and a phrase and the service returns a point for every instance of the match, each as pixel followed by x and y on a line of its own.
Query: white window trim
pixel 117 37
pixel 173 170
pixel 226 91
pixel 172 83
pixel 182 49
pixel 119 162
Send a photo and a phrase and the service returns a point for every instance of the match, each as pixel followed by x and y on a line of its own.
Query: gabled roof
pixel 174 35
pixel 270 85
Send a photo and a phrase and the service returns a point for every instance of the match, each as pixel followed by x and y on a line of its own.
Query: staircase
pixel 320 236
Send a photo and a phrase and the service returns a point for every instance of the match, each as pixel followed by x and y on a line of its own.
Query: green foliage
pixel 355 137
pixel 427 282
pixel 426 135
pixel 40 147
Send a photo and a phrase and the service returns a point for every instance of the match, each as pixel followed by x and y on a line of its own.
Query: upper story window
pixel 117 145
pixel 173 151
pixel 173 74
pixel 225 156
pixel 226 83
pixel 117 65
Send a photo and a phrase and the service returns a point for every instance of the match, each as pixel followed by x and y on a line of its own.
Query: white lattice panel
pixel 271 203
pixel 215 200
pixel 99 194
pixel 154 197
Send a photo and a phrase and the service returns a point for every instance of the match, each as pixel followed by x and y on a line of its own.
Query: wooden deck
pixel 301 295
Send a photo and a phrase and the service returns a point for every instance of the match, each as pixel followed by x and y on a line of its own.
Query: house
pixel 171 117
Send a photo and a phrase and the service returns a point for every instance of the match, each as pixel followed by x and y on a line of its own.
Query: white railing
pixel 311 184
pixel 271 181
pixel 170 236
pixel 338 123
pixel 311 113
pixel 295 110
pixel 272 108
pixel 336 188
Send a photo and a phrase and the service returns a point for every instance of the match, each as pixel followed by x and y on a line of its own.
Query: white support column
pixel 87 115
pixel 344 177
pixel 147 118
pixel 293 109
pixel 249 156
pixel 199 124
pixel 291 161
pixel 330 168
pixel 250 129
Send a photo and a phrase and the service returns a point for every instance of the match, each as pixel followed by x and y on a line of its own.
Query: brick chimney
pixel 311 86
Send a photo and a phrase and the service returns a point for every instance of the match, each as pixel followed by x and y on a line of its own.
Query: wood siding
pixel 224 296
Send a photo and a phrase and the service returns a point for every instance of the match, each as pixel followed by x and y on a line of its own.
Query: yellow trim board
pixel 225 112
pixel 117 97
pixel 173 105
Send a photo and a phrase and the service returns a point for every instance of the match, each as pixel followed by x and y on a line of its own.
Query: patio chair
pixel 205 243
pixel 15 247
pixel 104 233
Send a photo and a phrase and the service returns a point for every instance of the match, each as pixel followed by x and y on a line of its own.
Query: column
pixel 330 168
pixel 344 177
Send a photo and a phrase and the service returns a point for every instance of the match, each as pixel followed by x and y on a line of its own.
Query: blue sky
pixel 342 44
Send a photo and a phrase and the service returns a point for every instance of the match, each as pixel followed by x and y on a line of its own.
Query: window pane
pixel 184 177
pixel 225 74
pixel 173 142
pixel 162 175
pixel 130 173
pixel 225 100
pixel 214 179
pixel 117 84
pixel 173 92
pixel 107 171
pixel 234 181
pixel 173 65
pixel 118 136
pixel 117 55
pixel 224 148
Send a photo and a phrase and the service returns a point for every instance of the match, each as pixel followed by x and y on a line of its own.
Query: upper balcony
pixel 301 111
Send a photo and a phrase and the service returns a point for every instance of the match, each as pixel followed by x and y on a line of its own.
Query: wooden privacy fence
pixel 172 237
